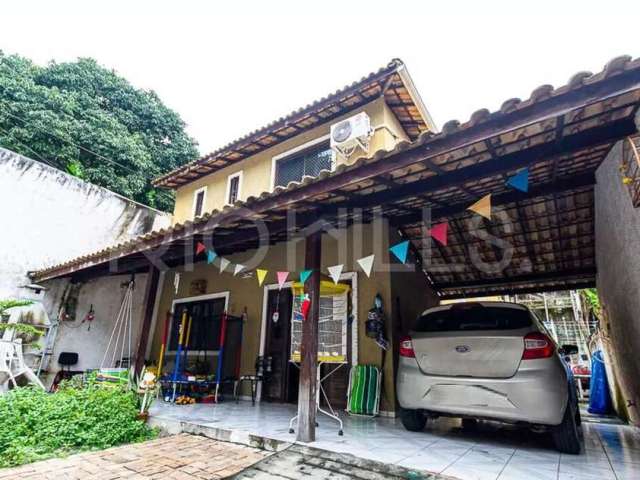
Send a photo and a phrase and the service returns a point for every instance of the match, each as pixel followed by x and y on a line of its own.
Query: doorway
pixel 282 384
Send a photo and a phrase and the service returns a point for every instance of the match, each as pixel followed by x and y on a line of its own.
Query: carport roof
pixel 562 135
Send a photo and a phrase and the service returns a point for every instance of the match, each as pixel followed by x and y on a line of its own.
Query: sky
pixel 230 67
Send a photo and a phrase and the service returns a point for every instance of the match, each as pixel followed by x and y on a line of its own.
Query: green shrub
pixel 35 425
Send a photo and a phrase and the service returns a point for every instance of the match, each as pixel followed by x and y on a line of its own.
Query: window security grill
pixel 197 211
pixel 308 163
pixel 234 188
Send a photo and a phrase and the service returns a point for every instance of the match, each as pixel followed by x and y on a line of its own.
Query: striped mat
pixel 364 390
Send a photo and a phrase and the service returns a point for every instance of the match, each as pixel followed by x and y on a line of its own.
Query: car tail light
pixel 537 345
pixel 406 348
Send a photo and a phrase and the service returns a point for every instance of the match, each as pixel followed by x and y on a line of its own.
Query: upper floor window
pixel 199 197
pixel 307 160
pixel 234 186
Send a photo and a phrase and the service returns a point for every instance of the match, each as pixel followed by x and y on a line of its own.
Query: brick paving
pixel 178 457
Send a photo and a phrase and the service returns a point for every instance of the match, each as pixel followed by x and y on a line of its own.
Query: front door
pixel 282 384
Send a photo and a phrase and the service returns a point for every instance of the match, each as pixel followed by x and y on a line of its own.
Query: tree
pixel 88 121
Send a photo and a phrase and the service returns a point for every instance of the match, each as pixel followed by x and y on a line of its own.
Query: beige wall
pixel 257 170
pixel 247 293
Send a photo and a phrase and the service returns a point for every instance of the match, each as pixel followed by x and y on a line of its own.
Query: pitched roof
pixel 561 134
pixel 392 82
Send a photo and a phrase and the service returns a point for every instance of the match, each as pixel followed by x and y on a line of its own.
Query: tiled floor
pixel 492 451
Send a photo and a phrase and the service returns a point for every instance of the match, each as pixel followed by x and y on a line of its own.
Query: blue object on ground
pixel 599 396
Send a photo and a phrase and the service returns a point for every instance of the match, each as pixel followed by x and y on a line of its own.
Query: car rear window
pixel 476 317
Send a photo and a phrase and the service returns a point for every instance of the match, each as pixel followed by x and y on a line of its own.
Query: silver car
pixel 487 360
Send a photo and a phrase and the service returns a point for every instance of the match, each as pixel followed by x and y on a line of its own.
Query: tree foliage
pixel 88 121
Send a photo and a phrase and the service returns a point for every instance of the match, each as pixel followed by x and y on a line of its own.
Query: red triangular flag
pixel 200 248
pixel 439 232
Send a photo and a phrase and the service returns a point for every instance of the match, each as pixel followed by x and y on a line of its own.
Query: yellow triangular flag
pixel 261 274
pixel 482 207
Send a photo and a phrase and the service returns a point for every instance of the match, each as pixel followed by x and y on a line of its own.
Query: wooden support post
pixel 150 292
pixel 309 349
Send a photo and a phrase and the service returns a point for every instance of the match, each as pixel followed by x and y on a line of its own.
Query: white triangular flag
pixel 224 263
pixel 366 264
pixel 335 272
pixel 237 269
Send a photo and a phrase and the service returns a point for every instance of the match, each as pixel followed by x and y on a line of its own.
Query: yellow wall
pixel 257 168
pixel 247 293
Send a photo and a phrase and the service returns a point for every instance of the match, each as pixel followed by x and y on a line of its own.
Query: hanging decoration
pixel 519 181
pixel 366 264
pixel 400 250
pixel 306 305
pixel 304 275
pixel 260 274
pixel 200 248
pixel 482 207
pixel 439 232
pixel 282 278
pixel 224 263
pixel 176 282
pixel 237 269
pixel 211 256
pixel 335 272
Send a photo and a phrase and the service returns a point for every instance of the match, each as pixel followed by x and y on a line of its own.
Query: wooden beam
pixel 150 292
pixel 307 394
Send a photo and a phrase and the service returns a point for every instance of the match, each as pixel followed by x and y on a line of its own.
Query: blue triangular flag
pixel 304 275
pixel 400 250
pixel 520 181
pixel 211 256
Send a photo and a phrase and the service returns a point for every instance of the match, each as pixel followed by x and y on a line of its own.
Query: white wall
pixel 48 217
pixel 105 294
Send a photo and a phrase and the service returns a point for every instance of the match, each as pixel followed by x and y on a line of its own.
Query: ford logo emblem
pixel 462 349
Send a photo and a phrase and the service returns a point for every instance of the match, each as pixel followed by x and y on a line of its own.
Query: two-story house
pixel 290 151
pixel 322 194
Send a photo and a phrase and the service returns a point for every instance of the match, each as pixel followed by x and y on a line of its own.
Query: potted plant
pixel 146 387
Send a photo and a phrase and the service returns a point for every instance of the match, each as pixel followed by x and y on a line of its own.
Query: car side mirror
pixel 569 349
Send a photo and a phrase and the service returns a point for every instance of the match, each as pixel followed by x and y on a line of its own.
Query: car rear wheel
pixel 413 420
pixel 565 435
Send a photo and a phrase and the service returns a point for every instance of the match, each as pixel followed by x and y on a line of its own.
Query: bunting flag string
pixel 282 278
pixel 400 250
pixel 261 274
pixel 335 272
pixel 482 207
pixel 200 248
pixel 211 256
pixel 238 268
pixel 439 233
pixel 366 264
pixel 224 263
pixel 304 275
pixel 519 181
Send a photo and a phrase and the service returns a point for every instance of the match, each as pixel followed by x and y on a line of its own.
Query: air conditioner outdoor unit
pixel 351 133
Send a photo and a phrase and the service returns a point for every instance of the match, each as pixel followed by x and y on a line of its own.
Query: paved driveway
pixel 187 457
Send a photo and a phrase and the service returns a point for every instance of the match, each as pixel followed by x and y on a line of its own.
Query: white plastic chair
pixel 12 364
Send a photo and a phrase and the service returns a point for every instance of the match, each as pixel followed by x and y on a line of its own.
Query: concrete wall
pixel 49 217
pixel 246 293
pixel 256 176
pixel 618 280
pixel 105 294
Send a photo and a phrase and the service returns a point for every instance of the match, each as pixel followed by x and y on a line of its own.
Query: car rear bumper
pixel 536 394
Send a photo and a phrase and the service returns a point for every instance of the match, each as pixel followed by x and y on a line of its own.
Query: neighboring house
pixel 48 217
pixel 371 198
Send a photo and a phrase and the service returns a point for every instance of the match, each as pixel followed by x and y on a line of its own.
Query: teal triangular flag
pixel 211 256
pixel 520 181
pixel 400 250
pixel 304 275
